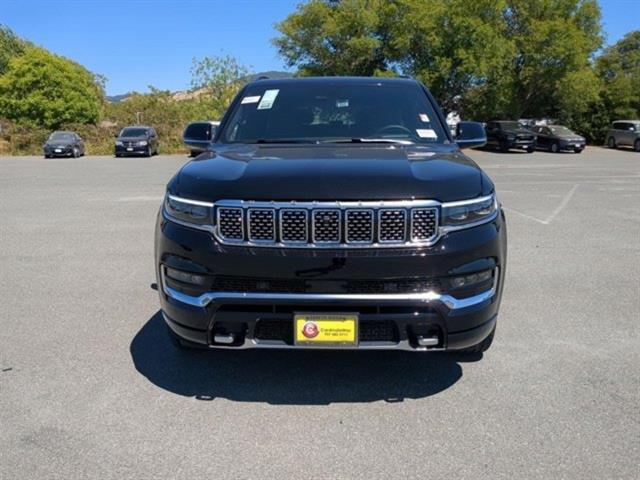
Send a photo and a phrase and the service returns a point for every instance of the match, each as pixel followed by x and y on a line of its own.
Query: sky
pixel 136 43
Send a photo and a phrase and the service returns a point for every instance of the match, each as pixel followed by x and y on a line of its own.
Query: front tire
pixel 530 149
pixel 481 347
pixel 553 148
pixel 611 142
pixel 503 148
pixel 149 152
pixel 75 153
pixel 636 145
pixel 577 150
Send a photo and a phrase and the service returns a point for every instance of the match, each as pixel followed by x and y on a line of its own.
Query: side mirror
pixel 470 134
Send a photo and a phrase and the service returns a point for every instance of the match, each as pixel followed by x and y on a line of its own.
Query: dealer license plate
pixel 335 329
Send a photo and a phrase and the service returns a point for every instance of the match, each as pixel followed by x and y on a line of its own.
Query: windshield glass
pixel 333 111
pixel 509 125
pixel 133 132
pixel 61 136
pixel 559 130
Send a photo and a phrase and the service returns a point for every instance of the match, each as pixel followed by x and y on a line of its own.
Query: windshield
pixel 559 130
pixel 133 132
pixel 509 125
pixel 333 111
pixel 61 136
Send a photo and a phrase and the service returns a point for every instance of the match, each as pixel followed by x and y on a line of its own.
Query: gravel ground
pixel 90 386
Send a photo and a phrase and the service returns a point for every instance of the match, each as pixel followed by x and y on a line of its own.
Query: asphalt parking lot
pixel 91 387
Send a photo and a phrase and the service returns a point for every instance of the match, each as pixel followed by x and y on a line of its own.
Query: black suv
pixel 507 135
pixel 137 141
pixel 333 213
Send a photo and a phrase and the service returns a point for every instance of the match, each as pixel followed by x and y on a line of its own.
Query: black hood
pixel 61 142
pixel 330 172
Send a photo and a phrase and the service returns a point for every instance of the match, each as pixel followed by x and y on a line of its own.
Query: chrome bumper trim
pixel 429 297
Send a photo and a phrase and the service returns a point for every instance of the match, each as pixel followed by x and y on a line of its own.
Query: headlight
pixel 193 212
pixel 467 213
pixel 119 143
pixel 142 143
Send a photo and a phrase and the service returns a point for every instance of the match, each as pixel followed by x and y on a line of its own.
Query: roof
pixel 342 80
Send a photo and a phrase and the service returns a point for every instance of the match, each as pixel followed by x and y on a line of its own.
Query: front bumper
pixel 135 150
pixel 427 320
pixel 63 152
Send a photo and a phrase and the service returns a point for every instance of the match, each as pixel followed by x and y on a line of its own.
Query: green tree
pixel 42 89
pixel 10 46
pixel 216 80
pixel 485 58
pixel 619 68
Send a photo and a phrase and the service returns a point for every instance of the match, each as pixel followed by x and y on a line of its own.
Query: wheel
pixel 530 149
pixel 149 152
pixel 611 142
pixel 636 145
pixel 481 347
pixel 47 156
pixel 504 148
pixel 553 148
pixel 577 150
pixel 118 155
pixel 75 153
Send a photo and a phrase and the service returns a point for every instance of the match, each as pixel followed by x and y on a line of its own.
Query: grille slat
pixel 294 226
pixel 230 223
pixel 262 225
pixel 306 224
pixel 326 226
pixel 392 225
pixel 359 226
pixel 423 224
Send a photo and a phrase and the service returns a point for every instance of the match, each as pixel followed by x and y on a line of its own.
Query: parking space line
pixel 565 201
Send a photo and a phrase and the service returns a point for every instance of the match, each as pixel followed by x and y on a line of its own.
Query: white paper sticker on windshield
pixel 268 99
pixel 426 133
pixel 342 103
pixel 424 117
pixel 253 99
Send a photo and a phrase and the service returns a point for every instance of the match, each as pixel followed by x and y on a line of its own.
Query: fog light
pixel 471 279
pixel 185 277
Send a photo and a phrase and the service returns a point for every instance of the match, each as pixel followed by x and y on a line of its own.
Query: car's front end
pixel 131 146
pixel 390 245
pixel 518 140
pixel 58 149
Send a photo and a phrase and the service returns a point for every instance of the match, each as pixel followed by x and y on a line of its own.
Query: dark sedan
pixel 64 144
pixel 556 138
pixel 137 141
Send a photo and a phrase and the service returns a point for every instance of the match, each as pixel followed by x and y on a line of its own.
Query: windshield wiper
pixel 282 140
pixel 370 140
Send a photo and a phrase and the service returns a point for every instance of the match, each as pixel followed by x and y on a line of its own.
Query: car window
pixel 318 111
pixel 133 132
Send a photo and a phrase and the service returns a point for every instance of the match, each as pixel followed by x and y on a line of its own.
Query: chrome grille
pixel 359 226
pixel 230 223
pixel 392 225
pixel 262 225
pixel 424 224
pixel 327 224
pixel 294 226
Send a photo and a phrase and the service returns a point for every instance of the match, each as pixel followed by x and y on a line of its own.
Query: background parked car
pixel 558 137
pixel 198 135
pixel 624 133
pixel 508 134
pixel 64 144
pixel 139 140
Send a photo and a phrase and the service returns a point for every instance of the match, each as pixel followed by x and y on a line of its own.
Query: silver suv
pixel 624 133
